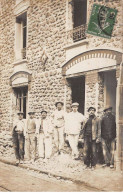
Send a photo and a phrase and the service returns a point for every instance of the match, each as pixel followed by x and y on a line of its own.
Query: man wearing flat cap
pixel 92 135
pixel 18 137
pixel 108 135
pixel 75 119
pixel 58 123
pixel 30 136
pixel 45 136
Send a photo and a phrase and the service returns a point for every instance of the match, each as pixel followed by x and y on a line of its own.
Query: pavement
pixel 17 179
pixel 64 167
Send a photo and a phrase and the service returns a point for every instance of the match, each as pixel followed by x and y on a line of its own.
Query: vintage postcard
pixel 61 95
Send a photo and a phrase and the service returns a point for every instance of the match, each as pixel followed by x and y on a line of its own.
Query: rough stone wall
pixel 7 31
pixel 101 94
pixel 116 40
pixel 91 81
pixel 94 41
pixel 45 55
pixel 46 39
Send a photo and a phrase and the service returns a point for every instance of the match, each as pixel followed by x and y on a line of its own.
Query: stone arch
pixel 20 78
pixel 102 56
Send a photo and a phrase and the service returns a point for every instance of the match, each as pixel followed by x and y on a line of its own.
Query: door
pixel 78 92
pixel 110 89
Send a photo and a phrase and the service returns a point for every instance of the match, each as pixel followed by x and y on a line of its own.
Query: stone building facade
pixel 46 56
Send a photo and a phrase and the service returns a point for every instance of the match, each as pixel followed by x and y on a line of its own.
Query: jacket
pixel 44 127
pixel 74 121
pixel 108 127
pixel 96 129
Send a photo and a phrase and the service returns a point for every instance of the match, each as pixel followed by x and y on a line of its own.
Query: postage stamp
pixel 102 21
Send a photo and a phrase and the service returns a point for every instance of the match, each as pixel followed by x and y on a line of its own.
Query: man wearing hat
pixel 73 129
pixel 108 134
pixel 58 123
pixel 45 136
pixel 18 137
pixel 30 137
pixel 92 135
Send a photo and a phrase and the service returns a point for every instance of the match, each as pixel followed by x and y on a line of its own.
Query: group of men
pixel 47 132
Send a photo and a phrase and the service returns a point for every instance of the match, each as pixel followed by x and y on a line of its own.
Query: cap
pixel 31 111
pixel 75 104
pixel 91 107
pixel 19 112
pixel 107 108
pixel 43 111
pixel 58 103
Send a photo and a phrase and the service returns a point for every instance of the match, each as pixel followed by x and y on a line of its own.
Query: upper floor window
pixel 77 15
pixel 79 12
pixel 21 36
pixel 79 19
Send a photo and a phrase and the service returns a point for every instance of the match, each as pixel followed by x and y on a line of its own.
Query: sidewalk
pixel 62 166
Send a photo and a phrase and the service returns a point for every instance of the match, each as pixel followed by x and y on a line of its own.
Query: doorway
pixel 110 85
pixel 78 92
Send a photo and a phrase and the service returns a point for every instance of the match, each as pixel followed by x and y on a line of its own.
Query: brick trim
pixel 101 53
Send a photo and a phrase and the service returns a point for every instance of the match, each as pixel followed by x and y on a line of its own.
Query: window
pixel 21 36
pixel 21 100
pixel 80 11
pixel 79 19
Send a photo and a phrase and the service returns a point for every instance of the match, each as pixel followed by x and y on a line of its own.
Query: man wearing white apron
pixel 75 121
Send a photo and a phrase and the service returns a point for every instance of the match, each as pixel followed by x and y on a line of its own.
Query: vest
pixel 31 126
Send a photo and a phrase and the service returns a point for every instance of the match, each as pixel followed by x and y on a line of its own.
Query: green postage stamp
pixel 102 21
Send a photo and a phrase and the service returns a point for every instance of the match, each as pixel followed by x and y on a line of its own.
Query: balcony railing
pixel 23 51
pixel 76 34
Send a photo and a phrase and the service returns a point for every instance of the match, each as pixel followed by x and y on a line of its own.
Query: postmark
pixel 102 21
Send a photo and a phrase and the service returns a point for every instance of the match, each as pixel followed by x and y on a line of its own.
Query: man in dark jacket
pixel 92 135
pixel 108 134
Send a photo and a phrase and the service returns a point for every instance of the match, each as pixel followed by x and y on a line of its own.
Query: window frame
pixel 20 50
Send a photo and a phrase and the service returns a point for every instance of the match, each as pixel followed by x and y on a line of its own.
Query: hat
pixel 43 111
pixel 58 103
pixel 19 112
pixel 31 111
pixel 75 104
pixel 91 108
pixel 107 108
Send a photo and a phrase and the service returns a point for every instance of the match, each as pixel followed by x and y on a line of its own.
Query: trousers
pixel 30 146
pixel 108 151
pixel 45 146
pixel 73 141
pixel 18 145
pixel 59 138
pixel 89 152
